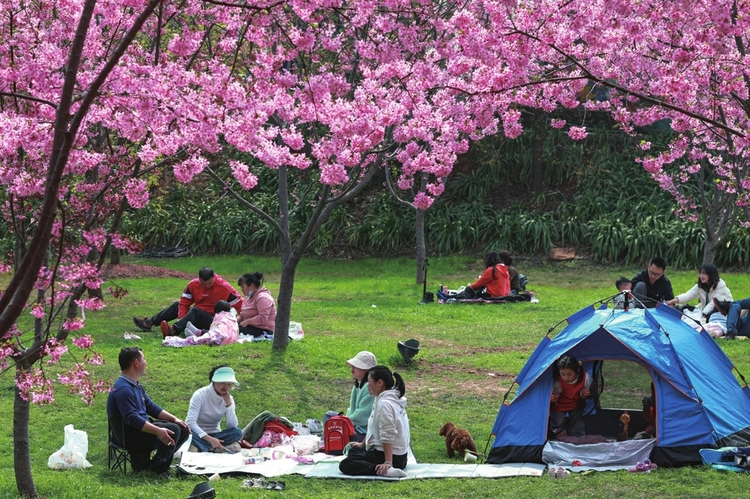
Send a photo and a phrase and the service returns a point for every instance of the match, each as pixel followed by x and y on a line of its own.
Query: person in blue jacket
pixel 138 423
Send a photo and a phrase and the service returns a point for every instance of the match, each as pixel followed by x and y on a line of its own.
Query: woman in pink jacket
pixel 258 312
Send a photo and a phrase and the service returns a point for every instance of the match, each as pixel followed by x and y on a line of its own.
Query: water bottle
pixel 255 460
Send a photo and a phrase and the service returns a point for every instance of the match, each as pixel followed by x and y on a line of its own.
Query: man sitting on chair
pixel 128 410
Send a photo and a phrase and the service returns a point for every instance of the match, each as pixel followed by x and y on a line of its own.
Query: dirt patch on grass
pixel 127 271
pixel 435 379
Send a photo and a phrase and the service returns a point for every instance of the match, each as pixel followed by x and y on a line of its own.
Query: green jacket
pixel 360 407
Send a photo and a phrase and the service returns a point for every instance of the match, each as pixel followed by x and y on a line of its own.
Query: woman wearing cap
pixel 386 446
pixel 208 406
pixel 360 403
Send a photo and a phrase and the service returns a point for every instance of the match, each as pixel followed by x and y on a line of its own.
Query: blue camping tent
pixel 699 401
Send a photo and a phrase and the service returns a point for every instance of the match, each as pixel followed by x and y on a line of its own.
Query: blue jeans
pixel 228 436
pixel 736 324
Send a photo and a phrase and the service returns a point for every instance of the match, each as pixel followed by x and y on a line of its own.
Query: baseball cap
pixel 224 375
pixel 363 360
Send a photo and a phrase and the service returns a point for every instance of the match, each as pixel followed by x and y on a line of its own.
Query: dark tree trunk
pixel 709 249
pixel 284 309
pixel 537 160
pixel 420 237
pixel 421 248
pixel 114 256
pixel 21 456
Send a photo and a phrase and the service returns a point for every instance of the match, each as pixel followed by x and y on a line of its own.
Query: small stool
pixel 119 457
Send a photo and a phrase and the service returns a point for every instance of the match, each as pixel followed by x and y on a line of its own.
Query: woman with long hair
pixel 708 287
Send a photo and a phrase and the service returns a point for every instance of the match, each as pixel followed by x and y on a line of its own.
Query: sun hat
pixel 363 360
pixel 224 375
pixel 203 491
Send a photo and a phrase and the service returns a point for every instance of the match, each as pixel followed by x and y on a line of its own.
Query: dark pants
pixel 253 331
pixel 640 292
pixel 363 462
pixel 140 445
pixel 200 318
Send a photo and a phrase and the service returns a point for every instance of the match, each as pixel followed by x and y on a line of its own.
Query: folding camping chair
pixel 119 457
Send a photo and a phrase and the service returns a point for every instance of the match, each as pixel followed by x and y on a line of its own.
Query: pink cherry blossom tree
pixel 338 93
pixel 329 89
pixel 55 187
pixel 674 60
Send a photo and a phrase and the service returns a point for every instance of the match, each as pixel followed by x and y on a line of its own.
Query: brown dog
pixel 457 440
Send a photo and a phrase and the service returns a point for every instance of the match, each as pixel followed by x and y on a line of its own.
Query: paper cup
pixel 214 478
pixel 469 457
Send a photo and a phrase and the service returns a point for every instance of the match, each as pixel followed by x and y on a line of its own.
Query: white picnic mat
pixel 327 469
pixel 206 463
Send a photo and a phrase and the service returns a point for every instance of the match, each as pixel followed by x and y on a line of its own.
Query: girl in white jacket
pixel 384 451
pixel 709 286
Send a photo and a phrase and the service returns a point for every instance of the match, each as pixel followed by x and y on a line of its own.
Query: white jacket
pixel 388 423
pixel 706 300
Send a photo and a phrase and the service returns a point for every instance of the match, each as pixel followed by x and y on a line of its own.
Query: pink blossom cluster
pixel 34 386
pixel 79 382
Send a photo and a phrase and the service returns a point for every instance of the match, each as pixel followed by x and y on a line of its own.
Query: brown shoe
pixel 722 306
pixel 166 329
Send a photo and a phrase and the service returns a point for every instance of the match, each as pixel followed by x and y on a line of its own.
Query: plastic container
pixel 254 459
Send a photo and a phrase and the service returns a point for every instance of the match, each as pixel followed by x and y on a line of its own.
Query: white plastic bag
pixel 73 453
pixel 295 331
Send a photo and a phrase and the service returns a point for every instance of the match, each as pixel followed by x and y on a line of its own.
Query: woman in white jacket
pixel 709 286
pixel 384 451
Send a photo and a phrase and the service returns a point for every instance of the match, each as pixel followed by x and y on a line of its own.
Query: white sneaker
pixel 562 473
pixel 395 473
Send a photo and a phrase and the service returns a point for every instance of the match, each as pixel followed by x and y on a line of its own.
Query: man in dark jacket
pixel 651 286
pixel 138 423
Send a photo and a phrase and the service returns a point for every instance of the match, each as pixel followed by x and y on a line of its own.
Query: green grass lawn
pixel 468 357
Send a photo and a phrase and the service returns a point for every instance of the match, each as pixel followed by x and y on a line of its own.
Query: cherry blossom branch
pixel 626 91
pixel 29 97
pixel 227 187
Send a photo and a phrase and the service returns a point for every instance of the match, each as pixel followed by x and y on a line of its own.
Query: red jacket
pixel 206 298
pixel 496 279
pixel 571 394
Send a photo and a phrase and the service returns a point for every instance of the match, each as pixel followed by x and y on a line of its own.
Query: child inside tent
pixel 570 389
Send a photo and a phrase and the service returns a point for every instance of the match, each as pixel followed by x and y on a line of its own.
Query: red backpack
pixel 337 432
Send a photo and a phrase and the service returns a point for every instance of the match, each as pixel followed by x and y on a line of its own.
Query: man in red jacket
pixel 196 305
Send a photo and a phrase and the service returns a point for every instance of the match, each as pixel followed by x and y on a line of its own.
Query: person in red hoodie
pixel 196 305
pixel 495 277
pixel 570 388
